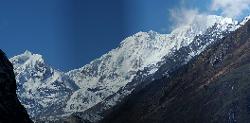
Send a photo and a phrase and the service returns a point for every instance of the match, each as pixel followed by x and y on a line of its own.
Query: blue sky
pixel 71 33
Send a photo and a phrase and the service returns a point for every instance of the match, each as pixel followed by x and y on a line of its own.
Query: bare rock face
pixel 11 110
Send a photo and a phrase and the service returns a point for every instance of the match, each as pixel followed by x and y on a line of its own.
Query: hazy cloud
pixel 230 8
pixel 182 16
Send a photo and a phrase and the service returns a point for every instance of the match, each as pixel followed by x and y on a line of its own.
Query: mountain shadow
pixel 11 110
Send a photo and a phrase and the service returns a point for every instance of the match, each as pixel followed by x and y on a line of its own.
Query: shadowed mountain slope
pixel 11 110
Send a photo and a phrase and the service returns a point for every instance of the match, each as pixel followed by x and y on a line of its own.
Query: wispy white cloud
pixel 182 16
pixel 230 8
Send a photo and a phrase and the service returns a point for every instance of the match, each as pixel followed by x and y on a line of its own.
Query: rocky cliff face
pixel 11 110
pixel 212 87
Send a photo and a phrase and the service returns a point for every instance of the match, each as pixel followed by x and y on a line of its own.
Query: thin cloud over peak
pixel 185 14
pixel 182 16
pixel 230 8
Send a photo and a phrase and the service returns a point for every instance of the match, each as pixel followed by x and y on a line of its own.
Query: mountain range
pixel 212 88
pixel 132 76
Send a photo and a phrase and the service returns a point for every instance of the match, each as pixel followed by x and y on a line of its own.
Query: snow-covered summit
pixel 40 88
pixel 184 34
pixel 27 59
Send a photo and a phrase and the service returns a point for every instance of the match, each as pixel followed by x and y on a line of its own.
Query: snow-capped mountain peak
pixel 185 34
pixel 26 60
pixel 42 88
pixel 109 73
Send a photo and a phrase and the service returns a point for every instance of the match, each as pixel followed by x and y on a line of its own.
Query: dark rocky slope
pixel 11 110
pixel 214 87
